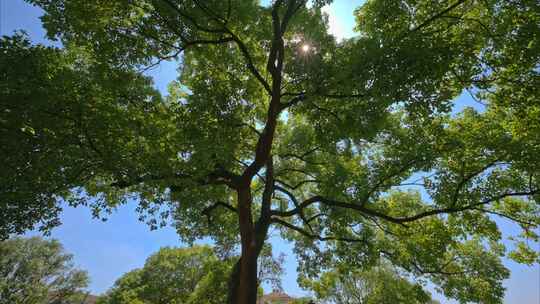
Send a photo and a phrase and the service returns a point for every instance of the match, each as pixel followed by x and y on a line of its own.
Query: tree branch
pixel 218 177
pixel 437 16
pixel 421 270
pixel 315 236
pixel 208 210
pixel 514 219
pixel 385 179
pixel 192 20
pixel 298 185
pixel 249 61
pixel 268 191
pixel 397 220
pixel 222 30
pixel 295 202
pixel 275 66
pixel 465 179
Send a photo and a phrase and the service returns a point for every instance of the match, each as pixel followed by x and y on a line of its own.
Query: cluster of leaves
pixel 37 271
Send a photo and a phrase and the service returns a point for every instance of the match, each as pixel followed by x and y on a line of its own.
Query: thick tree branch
pixel 293 199
pixel 271 65
pixel 275 66
pixel 268 191
pixel 292 9
pixel 398 220
pixel 297 209
pixel 249 61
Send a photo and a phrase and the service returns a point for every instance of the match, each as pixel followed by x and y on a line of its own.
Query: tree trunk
pixel 243 283
pixel 244 276
pixel 234 283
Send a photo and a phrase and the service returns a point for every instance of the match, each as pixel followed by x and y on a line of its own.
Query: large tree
pixel 349 147
pixel 38 271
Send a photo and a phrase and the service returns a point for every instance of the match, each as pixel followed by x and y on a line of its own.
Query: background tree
pixel 270 268
pixel 272 122
pixel 38 271
pixel 381 284
pixel 174 275
pixel 183 275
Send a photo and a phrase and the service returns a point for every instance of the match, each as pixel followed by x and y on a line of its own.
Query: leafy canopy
pixel 64 119
pixel 38 271
pixel 350 148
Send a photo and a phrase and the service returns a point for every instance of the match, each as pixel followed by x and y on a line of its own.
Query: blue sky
pixel 109 249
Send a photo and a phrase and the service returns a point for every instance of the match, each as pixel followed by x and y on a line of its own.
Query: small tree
pixel 37 271
pixel 174 275
pixel 379 285
pixel 182 276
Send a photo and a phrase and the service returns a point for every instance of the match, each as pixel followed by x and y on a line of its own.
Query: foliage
pixel 63 121
pixel 38 271
pixel 183 275
pixel 174 275
pixel 351 149
pixel 380 284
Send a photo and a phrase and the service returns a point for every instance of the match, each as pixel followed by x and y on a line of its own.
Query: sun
pixel 306 48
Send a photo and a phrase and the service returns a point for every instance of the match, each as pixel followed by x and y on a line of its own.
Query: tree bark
pixel 243 289
pixel 243 282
